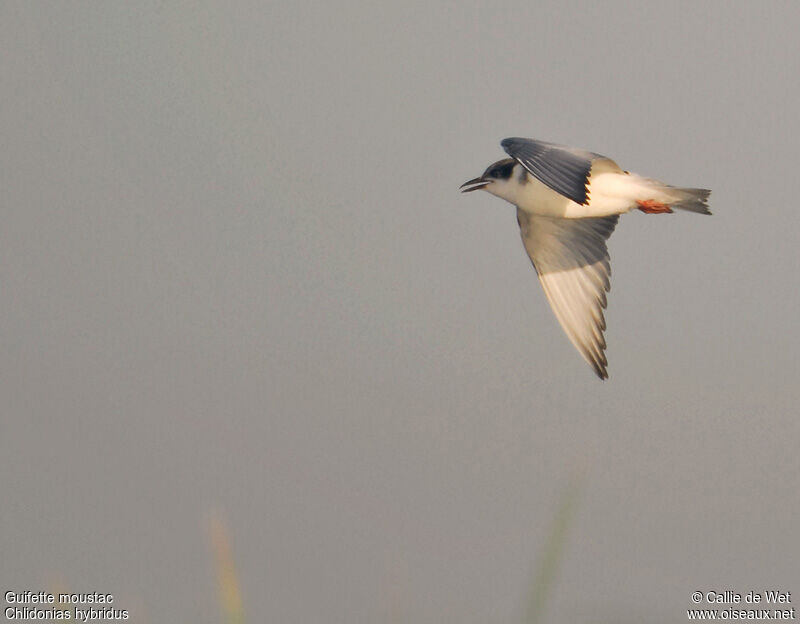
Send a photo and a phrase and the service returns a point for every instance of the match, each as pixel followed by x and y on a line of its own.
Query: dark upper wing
pixel 564 169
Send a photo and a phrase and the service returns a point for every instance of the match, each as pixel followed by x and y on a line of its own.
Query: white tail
pixel 616 192
pixel 691 199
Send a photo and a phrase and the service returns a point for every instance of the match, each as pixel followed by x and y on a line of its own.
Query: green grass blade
pixel 548 563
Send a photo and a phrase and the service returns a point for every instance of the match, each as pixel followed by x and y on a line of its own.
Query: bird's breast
pixel 603 199
pixel 535 197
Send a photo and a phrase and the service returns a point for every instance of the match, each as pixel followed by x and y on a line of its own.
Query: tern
pixel 568 203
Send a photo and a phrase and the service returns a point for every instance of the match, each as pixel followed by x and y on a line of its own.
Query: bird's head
pixel 498 179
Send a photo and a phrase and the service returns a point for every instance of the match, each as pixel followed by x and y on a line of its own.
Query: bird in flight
pixel 568 203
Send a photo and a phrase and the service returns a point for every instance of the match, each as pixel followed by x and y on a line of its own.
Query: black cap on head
pixel 501 170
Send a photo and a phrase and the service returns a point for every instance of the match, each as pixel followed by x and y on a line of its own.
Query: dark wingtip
pixel 599 365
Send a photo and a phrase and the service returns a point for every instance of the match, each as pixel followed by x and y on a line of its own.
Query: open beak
pixel 474 184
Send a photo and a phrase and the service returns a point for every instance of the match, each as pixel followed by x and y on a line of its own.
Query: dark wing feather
pixel 564 169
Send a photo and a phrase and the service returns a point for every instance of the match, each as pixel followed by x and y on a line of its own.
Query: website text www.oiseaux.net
pixel 745 615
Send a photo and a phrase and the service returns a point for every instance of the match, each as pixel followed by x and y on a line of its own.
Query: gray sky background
pixel 237 275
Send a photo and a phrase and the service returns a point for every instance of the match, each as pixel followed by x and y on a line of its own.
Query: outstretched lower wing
pixel 564 169
pixel 571 258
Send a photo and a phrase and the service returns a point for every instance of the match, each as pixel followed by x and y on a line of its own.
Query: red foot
pixel 651 206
